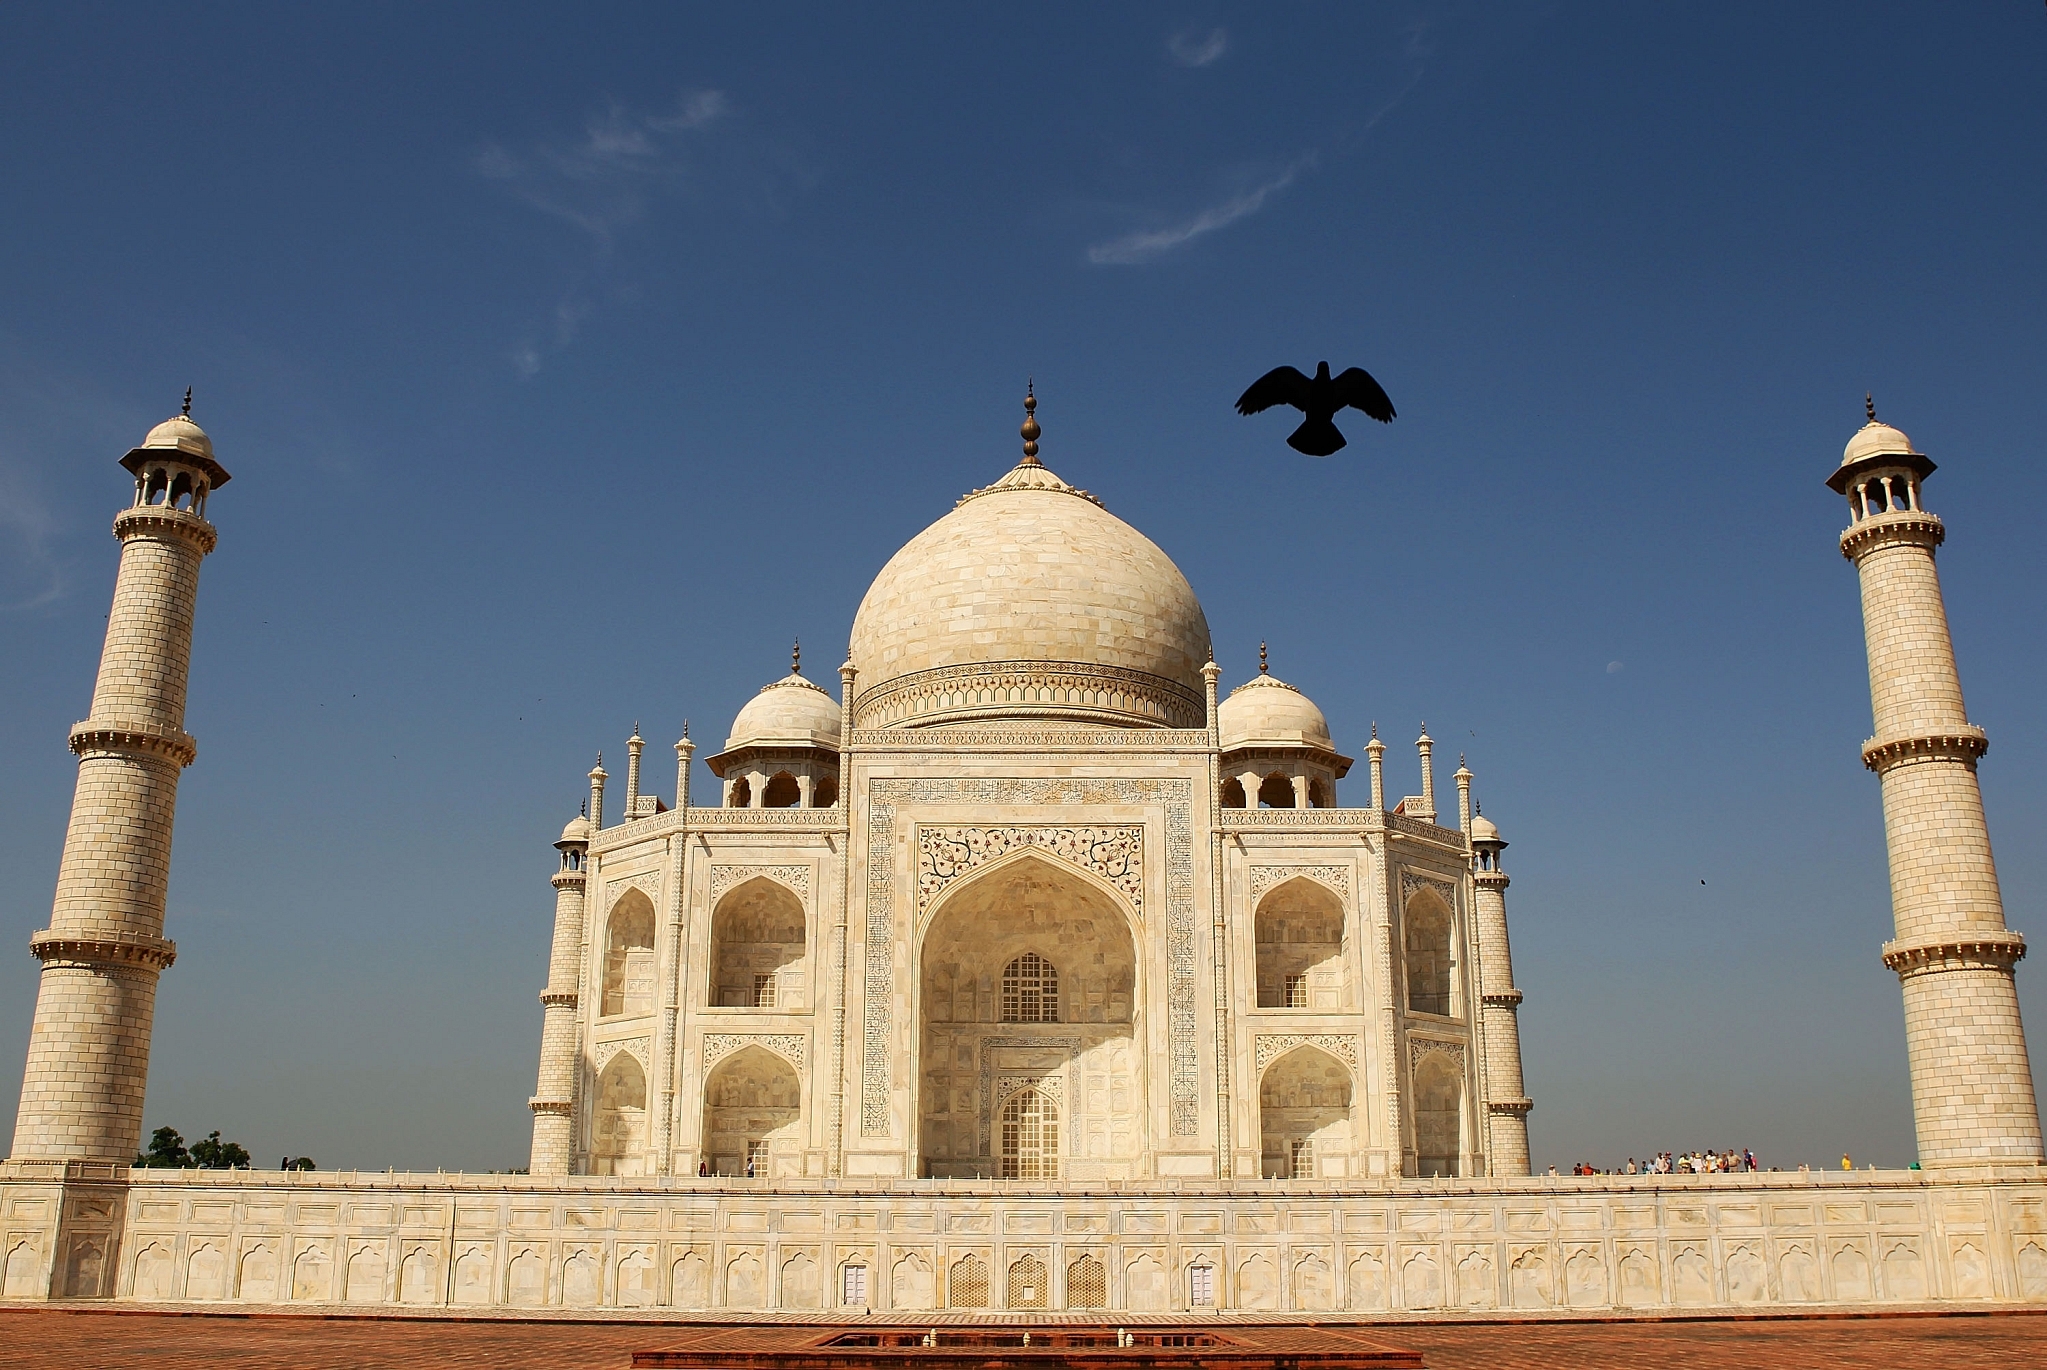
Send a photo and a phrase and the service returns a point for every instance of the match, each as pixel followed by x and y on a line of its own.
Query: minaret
pixel 1376 750
pixel 554 1097
pixel 1972 1087
pixel 634 745
pixel 88 1054
pixel 1424 746
pixel 1507 1102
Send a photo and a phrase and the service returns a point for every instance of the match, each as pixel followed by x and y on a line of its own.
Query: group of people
pixel 1677 1163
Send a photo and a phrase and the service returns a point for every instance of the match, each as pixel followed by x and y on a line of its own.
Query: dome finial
pixel 1869 404
pixel 1261 659
pixel 1030 429
pixel 187 410
pixel 796 657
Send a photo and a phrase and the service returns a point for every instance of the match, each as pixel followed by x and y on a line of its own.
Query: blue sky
pixel 571 364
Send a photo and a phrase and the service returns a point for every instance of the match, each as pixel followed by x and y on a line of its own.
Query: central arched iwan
pixel 1028 978
pixel 1298 934
pixel 758 948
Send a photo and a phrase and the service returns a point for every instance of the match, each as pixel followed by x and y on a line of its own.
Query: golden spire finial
pixel 796 657
pixel 187 410
pixel 1030 429
pixel 1869 404
pixel 1261 658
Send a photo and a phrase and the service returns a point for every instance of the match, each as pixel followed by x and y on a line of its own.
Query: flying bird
pixel 1319 397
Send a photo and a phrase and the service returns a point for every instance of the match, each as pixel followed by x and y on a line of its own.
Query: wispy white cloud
pixel 1135 248
pixel 1191 49
pixel 600 182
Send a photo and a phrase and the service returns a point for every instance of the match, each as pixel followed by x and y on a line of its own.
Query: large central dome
pixel 1030 600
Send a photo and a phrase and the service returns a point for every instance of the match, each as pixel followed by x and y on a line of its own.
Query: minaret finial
pixel 187 410
pixel 1030 429
pixel 1869 404
pixel 1261 659
pixel 1375 728
pixel 685 730
pixel 583 809
pixel 796 657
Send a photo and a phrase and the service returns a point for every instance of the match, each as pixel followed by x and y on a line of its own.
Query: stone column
pixel 598 775
pixel 634 745
pixel 1507 1101
pixel 1376 750
pixel 88 1053
pixel 1972 1085
pixel 1424 746
pixel 554 1097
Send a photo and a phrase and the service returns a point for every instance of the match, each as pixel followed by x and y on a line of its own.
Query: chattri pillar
pixel 1972 1086
pixel 88 1054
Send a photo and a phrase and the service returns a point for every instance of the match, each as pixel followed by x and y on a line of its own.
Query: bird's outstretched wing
pixel 1357 389
pixel 1281 385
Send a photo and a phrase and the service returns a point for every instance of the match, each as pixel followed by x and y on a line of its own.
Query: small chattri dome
pixel 1482 830
pixel 791 711
pixel 577 830
pixel 1265 711
pixel 178 433
pixel 1875 439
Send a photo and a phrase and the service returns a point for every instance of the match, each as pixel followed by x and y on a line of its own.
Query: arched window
pixel 629 956
pixel 1427 920
pixel 618 1146
pixel 1304 1105
pixel 757 948
pixel 1298 937
pixel 742 794
pixel 1438 1106
pixel 1087 1284
pixel 781 792
pixel 825 793
pixel 1030 1137
pixel 1029 1284
pixel 1321 794
pixel 753 1109
pixel 1233 793
pixel 1276 792
pixel 1030 990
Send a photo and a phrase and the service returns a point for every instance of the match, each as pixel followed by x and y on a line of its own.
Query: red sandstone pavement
pixel 74 1338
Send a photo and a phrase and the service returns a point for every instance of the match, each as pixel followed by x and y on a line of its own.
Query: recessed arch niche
pixel 618 1142
pixel 977 1046
pixel 629 956
pixel 1298 935
pixel 1304 1106
pixel 758 948
pixel 753 1114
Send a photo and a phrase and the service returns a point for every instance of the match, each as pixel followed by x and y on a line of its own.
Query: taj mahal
pixel 1029 965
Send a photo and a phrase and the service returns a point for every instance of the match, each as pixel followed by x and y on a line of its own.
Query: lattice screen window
pixel 756 1159
pixel 1028 1283
pixel 967 1283
pixel 1087 1284
pixel 1201 1286
pixel 1030 1137
pixel 1297 991
pixel 764 989
pixel 1301 1159
pixel 853 1285
pixel 1030 990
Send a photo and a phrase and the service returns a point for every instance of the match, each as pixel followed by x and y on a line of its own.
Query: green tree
pixel 211 1153
pixel 298 1163
pixel 166 1151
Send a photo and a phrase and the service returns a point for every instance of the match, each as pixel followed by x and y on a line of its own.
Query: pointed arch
pixel 753 1114
pixel 629 955
pixel 1438 1113
pixel 618 1142
pixel 1298 937
pixel 781 792
pixel 1304 1106
pixel 759 947
pixel 1070 1023
pixel 1030 1136
pixel 1232 796
pixel 1426 923
pixel 1276 791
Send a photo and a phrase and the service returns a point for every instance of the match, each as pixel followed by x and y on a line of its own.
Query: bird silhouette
pixel 1319 397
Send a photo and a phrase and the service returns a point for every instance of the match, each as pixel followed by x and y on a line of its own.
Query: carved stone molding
pixel 1998 951
pixel 139 951
pixel 126 736
pixel 647 883
pixel 1412 881
pixel 156 520
pixel 790 1046
pixel 1418 1047
pixel 1053 1087
pixel 1964 744
pixel 1336 878
pixel 1270 1046
pixel 1174 796
pixel 992 1086
pixel 639 1048
pixel 1914 528
pixel 797 878
pixel 1032 737
pixel 1044 689
pixel 1116 854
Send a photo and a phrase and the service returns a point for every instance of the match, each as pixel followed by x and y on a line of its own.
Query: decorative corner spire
pixel 636 732
pixel 1262 668
pixel 1869 404
pixel 796 657
pixel 583 809
pixel 187 410
pixel 685 730
pixel 1030 430
pixel 1375 730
